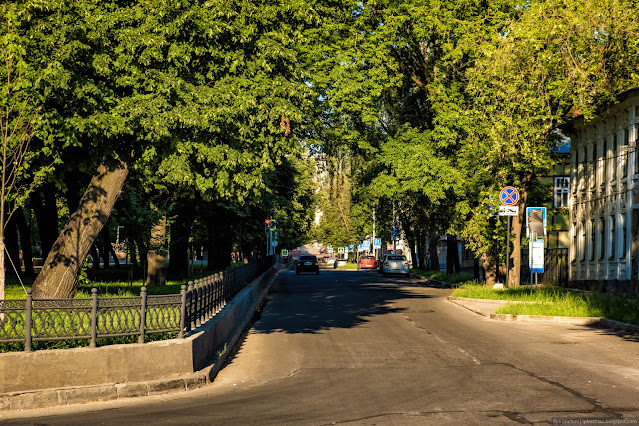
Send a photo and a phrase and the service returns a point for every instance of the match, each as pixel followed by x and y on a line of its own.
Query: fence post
pixel 142 314
pixel 182 312
pixel 27 323
pixel 94 317
pixel 191 314
pixel 198 302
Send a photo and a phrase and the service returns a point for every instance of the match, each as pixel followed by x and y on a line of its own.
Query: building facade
pixel 604 198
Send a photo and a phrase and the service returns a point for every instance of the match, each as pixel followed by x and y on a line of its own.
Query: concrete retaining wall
pixel 117 364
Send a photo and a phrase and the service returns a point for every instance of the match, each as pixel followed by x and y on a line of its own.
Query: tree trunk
pixel 220 243
pixel 46 214
pixel 105 243
pixel 95 255
pixel 3 276
pixel 432 249
pixel 133 252
pixel 420 250
pixel 25 241
pixel 490 270
pixel 451 250
pixel 411 247
pixel 156 256
pixel 179 248
pixel 143 250
pixel 58 277
pixel 514 277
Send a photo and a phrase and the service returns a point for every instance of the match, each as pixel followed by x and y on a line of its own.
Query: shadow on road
pixel 335 299
pixel 625 335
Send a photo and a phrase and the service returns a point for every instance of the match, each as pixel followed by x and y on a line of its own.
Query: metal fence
pixel 555 268
pixel 30 320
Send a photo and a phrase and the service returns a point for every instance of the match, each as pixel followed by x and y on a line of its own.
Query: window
pixel 582 242
pixel 562 191
pixel 624 239
pixel 604 176
pixel 623 149
pixel 613 238
pixel 593 167
pixel 573 251
pixel 602 240
pixel 591 247
pixel 636 136
pixel 613 164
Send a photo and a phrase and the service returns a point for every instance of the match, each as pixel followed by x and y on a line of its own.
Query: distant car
pixel 307 263
pixel 367 262
pixel 339 262
pixel 395 264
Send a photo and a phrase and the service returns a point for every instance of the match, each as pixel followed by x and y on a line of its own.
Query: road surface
pixel 354 347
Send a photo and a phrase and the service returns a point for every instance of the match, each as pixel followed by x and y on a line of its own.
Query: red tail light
pixel 405 263
pixel 316 263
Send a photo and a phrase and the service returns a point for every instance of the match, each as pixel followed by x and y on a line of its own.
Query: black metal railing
pixel 30 320
pixel 555 268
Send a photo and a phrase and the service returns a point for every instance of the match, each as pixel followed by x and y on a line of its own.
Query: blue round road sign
pixel 509 196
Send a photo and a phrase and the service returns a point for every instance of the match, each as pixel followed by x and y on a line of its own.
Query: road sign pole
pixel 508 252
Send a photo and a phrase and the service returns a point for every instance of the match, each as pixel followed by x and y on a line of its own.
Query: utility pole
pixel 374 249
pixel 394 226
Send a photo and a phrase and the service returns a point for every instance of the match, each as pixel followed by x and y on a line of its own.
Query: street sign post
pixel 284 253
pixel 509 197
pixel 536 231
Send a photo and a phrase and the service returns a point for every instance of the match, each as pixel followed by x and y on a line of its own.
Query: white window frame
pixel 561 191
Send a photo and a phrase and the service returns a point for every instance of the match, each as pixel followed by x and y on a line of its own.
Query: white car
pixel 395 264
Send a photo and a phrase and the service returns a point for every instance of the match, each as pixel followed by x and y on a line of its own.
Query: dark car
pixel 307 263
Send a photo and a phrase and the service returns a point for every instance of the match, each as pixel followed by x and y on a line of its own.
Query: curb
pixel 548 319
pixel 66 396
pixel 42 398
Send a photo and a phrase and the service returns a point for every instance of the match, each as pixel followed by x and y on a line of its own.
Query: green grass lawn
pixel 106 287
pixel 557 302
pixel 348 265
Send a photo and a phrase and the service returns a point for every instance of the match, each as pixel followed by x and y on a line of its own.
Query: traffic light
pixel 270 225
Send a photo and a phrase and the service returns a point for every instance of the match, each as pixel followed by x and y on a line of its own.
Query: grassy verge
pixel 557 302
pixel 348 265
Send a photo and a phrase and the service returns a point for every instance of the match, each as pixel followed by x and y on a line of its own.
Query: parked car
pixel 339 262
pixel 367 262
pixel 395 264
pixel 307 263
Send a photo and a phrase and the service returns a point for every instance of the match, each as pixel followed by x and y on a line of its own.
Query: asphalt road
pixel 354 347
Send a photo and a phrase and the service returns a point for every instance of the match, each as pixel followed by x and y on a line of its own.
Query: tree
pixel 18 116
pixel 557 61
pixel 202 95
